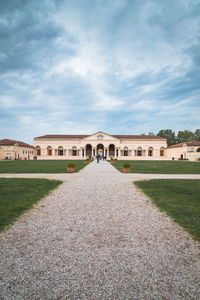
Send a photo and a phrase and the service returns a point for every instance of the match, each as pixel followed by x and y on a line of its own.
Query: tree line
pixel 181 136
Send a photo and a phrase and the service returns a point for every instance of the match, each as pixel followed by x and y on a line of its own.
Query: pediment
pixel 101 136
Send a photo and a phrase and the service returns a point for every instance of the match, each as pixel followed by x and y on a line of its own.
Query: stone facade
pixel 184 151
pixel 10 150
pixel 123 147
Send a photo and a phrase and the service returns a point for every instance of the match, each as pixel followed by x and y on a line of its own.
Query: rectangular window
pixel 125 152
pixel 74 152
pixel 60 152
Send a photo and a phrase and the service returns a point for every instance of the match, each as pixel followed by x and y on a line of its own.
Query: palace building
pixel 125 147
pixel 11 149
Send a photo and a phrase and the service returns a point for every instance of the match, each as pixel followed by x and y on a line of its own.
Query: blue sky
pixel 120 66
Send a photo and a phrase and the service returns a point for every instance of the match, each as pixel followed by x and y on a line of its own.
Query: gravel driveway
pixel 97 237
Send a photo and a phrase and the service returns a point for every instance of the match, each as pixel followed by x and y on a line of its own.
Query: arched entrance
pixel 111 150
pixel 150 151
pixel 88 149
pixel 100 149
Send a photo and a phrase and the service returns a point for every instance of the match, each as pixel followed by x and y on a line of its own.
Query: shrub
pixel 126 165
pixel 70 164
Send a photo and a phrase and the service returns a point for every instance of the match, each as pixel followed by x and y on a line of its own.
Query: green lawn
pixel 19 194
pixel 39 166
pixel 160 167
pixel 179 198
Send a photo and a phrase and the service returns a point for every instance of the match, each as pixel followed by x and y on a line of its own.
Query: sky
pixel 82 66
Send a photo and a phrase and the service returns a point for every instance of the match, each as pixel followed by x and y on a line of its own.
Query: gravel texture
pixel 97 237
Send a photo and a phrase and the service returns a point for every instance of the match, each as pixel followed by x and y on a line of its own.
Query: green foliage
pixel 169 135
pixel 19 194
pixel 179 198
pixel 185 136
pixel 126 165
pixel 70 164
pixel 38 166
pixel 197 135
pixel 182 136
pixel 160 167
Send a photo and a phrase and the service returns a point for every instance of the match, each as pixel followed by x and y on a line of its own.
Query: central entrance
pixel 100 149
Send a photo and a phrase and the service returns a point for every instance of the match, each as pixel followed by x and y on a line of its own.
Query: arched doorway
pixel 150 151
pixel 100 149
pixel 88 149
pixel 111 150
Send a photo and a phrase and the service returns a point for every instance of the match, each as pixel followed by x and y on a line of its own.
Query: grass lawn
pixel 19 194
pixel 160 167
pixel 179 198
pixel 39 166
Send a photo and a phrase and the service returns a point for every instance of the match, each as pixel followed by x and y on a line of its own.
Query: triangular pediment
pixel 100 135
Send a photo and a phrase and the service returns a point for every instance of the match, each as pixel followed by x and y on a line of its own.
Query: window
pixel 74 151
pixel 139 151
pixel 49 150
pixel 150 151
pixel 162 151
pixel 38 150
pixel 125 152
pixel 60 151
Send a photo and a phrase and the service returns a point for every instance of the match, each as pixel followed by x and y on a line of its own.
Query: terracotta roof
pixel 142 137
pixel 147 137
pixel 192 143
pixel 62 136
pixel 7 142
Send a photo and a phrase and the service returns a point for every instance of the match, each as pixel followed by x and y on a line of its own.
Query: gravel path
pixel 97 237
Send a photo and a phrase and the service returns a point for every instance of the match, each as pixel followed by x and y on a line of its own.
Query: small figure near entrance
pixel 98 157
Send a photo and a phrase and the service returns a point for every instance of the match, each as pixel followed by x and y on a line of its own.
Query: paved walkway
pixel 97 237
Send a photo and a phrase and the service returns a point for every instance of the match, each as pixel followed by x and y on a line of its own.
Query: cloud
pixel 83 66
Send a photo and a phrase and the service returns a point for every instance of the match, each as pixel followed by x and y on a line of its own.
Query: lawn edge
pixel 6 227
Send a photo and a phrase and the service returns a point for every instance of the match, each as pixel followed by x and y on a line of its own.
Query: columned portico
pixel 117 146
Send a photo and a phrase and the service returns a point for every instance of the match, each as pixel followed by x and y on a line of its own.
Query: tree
pixel 185 136
pixel 197 135
pixel 169 135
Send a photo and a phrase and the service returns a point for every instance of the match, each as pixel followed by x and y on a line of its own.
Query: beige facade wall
pixel 17 152
pixel 123 149
pixel 183 152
